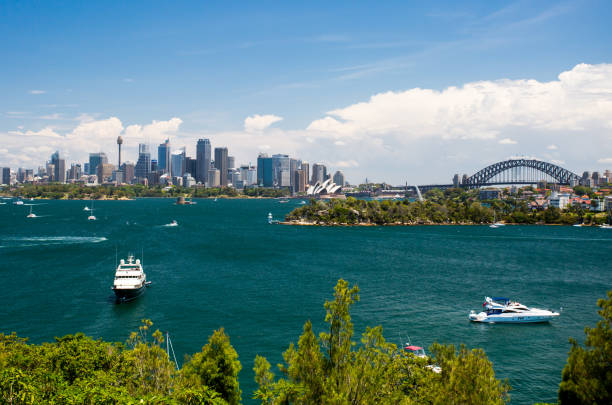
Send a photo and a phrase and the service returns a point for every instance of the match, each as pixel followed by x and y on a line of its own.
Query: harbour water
pixel 225 266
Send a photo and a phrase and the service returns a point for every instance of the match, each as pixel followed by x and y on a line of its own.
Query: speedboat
pixel 502 310
pixel 18 202
pixel 173 223
pixel 86 208
pixel 91 218
pixel 283 201
pixel 130 279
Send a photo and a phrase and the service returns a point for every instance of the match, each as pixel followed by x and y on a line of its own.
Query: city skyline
pixel 427 92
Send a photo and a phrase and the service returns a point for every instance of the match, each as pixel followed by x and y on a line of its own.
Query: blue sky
pixel 213 64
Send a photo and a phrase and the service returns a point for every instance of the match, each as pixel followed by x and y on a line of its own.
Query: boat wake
pixel 27 241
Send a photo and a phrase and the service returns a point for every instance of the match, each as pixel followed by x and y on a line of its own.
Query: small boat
pixel 130 279
pixel 271 220
pixel 419 352
pixel 302 202
pixel 31 214
pixel 283 201
pixel 605 226
pixel 502 310
pixel 493 226
pixel 577 225
pixel 91 218
pixel 86 208
pixel 18 202
pixel 173 223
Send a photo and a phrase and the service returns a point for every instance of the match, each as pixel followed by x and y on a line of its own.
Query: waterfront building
pixel 177 168
pixel 319 173
pixel 214 177
pixel 339 178
pixel 202 160
pixel 163 157
pixel 489 194
pixel 59 168
pixel 6 176
pixel 94 160
pixel 143 165
pixel 188 180
pixel 221 164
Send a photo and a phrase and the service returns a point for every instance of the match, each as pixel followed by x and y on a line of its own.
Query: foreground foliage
pixel 587 376
pixel 76 369
pixel 333 369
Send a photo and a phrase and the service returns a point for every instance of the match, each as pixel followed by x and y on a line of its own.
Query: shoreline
pixel 369 224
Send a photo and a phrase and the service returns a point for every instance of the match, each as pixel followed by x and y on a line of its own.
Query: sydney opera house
pixel 327 189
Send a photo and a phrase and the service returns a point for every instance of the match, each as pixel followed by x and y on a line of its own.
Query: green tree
pixel 587 376
pixel 215 367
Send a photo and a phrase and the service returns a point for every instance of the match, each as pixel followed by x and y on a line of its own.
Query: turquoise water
pixel 225 266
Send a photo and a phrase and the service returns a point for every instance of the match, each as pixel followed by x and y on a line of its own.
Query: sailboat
pixel 31 214
pixel 92 217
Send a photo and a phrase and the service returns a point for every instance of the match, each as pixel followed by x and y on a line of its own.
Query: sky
pixel 390 91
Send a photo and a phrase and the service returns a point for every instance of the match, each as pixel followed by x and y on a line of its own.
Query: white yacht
pixel 605 226
pixel 502 310
pixel 130 279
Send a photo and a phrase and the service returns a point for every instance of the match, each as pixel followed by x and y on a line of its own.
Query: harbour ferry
pixel 502 310
pixel 130 279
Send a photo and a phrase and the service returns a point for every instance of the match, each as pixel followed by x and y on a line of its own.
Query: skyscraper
pixel 231 162
pixel 143 165
pixel 306 168
pixel 265 171
pixel 94 160
pixel 59 165
pixel 163 157
pixel 221 165
pixel 178 164
pixel 299 181
pixel 339 178
pixel 6 175
pixel 282 167
pixel 202 160
pixel 190 166
pixel 319 173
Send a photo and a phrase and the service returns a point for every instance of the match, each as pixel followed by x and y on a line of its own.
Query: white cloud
pixel 557 162
pixel 257 123
pixel 46 132
pixel 37 92
pixel 507 141
pixel 552 147
pixel 605 160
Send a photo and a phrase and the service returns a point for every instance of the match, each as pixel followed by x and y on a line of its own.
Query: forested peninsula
pixel 329 368
pixel 451 207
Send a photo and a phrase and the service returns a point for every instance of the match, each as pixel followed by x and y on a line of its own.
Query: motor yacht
pixel 605 226
pixel 419 352
pixel 130 279
pixel 502 310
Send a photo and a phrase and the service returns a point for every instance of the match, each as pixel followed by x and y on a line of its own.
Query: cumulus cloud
pixel 257 123
pixel 605 160
pixel 507 141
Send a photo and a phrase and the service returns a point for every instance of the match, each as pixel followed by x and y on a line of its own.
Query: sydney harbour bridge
pixel 514 171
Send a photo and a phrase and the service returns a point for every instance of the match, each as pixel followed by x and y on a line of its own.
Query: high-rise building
pixel 456 180
pixel 129 171
pixel 221 164
pixel 59 167
pixel 143 165
pixel 20 175
pixel 6 175
pixel 339 178
pixel 231 162
pixel 50 172
pixel 265 171
pixel 319 173
pixel 178 164
pixel 260 168
pixel 299 181
pixel 75 171
pixel 190 166
pixel 29 175
pixel 202 160
pixel 282 167
pixel 214 177
pixel 163 157
pixel 306 168
pixel 105 172
pixel 294 164
pixel 94 160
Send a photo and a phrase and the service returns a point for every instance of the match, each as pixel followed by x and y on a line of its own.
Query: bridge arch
pixel 520 171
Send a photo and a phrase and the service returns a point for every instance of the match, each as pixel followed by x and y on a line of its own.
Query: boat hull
pixel 514 318
pixel 128 294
